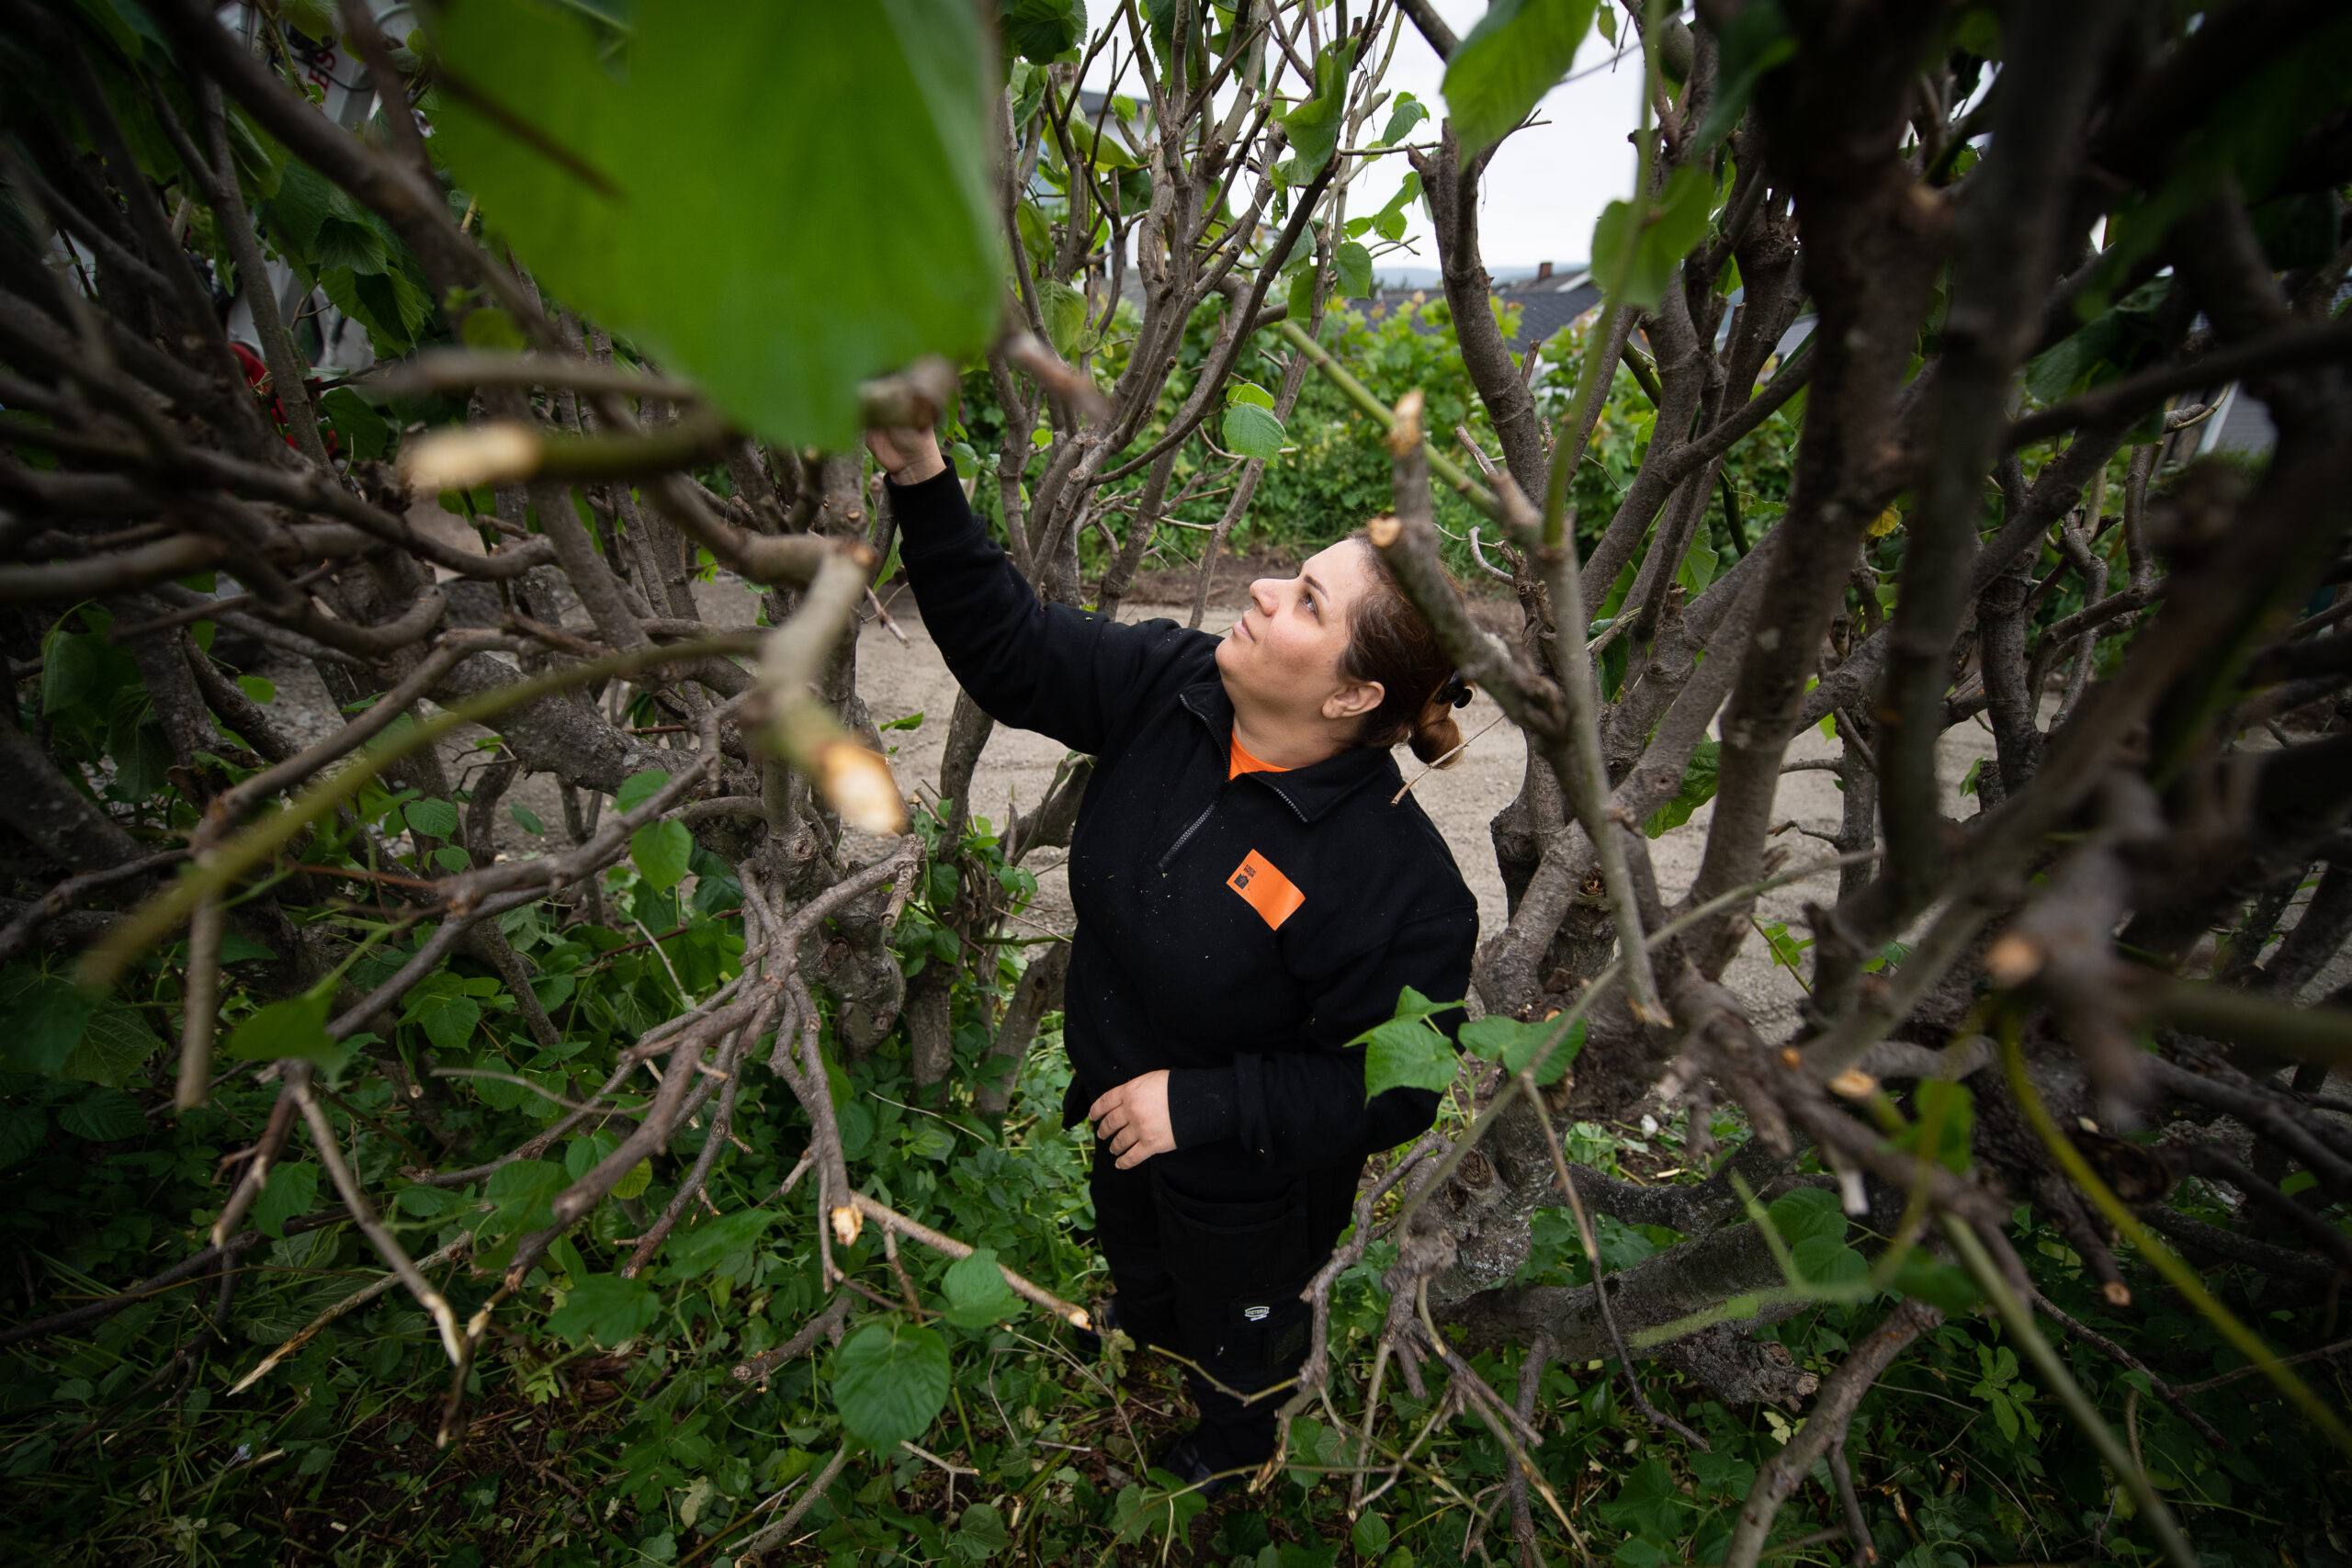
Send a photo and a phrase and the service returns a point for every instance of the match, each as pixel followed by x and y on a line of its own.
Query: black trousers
pixel 1209 1253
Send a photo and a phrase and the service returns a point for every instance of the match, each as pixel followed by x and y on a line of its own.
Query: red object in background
pixel 257 377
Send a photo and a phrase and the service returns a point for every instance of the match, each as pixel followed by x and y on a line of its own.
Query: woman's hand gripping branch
pixel 908 456
pixel 1132 1119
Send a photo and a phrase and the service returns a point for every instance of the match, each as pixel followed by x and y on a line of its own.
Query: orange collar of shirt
pixel 1239 762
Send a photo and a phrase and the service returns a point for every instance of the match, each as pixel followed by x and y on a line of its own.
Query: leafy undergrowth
pixel 652 1452
pixel 604 1422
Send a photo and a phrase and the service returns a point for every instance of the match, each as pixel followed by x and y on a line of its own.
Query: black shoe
pixel 1184 1460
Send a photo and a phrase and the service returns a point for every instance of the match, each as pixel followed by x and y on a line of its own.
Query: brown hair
pixel 1391 642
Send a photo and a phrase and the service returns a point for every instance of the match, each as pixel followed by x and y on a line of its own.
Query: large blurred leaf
pixel 780 200
pixel 1637 266
pixel 2116 343
pixel 2246 137
pixel 1502 68
pixel 889 1382
pixel 1756 42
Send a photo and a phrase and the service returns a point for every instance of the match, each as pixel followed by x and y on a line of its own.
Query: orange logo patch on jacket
pixel 1274 895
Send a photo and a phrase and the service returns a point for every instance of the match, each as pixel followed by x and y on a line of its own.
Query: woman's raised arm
pixel 1064 673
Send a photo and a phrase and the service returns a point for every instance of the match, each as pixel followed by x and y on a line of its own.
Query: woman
pixel 1252 895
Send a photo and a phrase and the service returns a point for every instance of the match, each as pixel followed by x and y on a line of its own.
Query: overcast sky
pixel 1548 182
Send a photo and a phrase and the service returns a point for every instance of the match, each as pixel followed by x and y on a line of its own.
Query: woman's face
pixel 1281 659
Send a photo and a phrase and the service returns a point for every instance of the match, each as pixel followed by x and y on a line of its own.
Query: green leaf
pixel 1698 567
pixel 1951 1109
pixel 295 1027
pixel 1827 1260
pixel 1353 263
pixel 1301 296
pixel 1314 126
pixel 975 1289
pixel 524 1191
pixel 1063 308
pixel 1502 68
pixel 238 948
pixel 982 1534
pixel 1514 1044
pixel 1040 30
pixel 670 191
pixel 1637 266
pixel 1250 393
pixel 70 674
pixel 1939 1284
pixel 1370 1534
pixel 635 1180
pixel 425 1202
pixel 433 818
pixel 448 1020
pixel 363 430
pixel 1406 113
pixel 103 1116
pixel 1699 778
pixel 116 1042
pixel 1407 1053
pixel 1253 431
pixel 639 788
pixel 1808 1212
pixel 2110 345
pixel 889 1382
pixel 1757 40
pixel 41 1022
pixel 23 1129
pixel 527 820
pixel 703 1248
pixel 1105 149
pixel 263 692
pixel 291 1190
pixel 605 1309
pixel 582 1156
pixel 662 851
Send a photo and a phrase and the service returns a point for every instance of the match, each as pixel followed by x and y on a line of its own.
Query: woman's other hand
pixel 908 456
pixel 1133 1118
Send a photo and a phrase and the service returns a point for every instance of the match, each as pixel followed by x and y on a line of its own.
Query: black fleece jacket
pixel 1191 952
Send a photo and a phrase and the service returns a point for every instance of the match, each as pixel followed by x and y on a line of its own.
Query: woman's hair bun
pixel 1391 642
pixel 1436 736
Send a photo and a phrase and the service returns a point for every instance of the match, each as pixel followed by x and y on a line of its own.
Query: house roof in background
pixel 1548 303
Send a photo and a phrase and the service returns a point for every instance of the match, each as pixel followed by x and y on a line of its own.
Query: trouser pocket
pixel 1227 1251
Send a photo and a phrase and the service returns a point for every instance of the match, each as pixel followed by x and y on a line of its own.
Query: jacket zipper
pixel 1186 835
